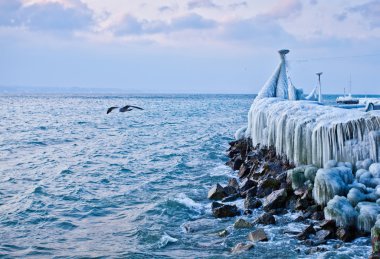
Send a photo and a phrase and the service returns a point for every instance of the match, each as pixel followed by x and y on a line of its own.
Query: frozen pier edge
pixel 308 132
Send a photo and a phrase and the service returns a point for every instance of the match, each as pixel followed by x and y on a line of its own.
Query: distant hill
pixel 62 90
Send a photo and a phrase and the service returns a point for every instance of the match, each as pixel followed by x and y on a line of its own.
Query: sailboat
pixel 347 99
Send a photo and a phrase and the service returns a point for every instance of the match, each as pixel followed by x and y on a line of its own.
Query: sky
pixel 189 46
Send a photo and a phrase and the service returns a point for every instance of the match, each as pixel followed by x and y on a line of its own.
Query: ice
pixel 331 182
pixel 374 169
pixel 308 133
pixel 368 212
pixel 341 210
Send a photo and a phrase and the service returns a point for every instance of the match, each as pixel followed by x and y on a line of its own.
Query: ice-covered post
pixel 320 100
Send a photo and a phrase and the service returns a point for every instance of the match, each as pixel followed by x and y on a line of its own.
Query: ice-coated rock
pixel 311 172
pixel 368 180
pixel 331 182
pixel 330 164
pixel 374 169
pixel 375 239
pixel 368 212
pixel 297 177
pixel 355 196
pixel 359 173
pixel 367 163
pixel 341 210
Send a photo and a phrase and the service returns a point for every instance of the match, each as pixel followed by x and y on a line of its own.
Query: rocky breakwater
pixel 339 201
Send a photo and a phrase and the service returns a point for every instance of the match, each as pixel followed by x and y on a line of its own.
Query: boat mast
pixel 320 100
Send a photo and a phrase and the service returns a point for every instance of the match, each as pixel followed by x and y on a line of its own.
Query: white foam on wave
pixel 165 240
pixel 221 170
pixel 185 200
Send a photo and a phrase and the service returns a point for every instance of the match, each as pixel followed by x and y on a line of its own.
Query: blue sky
pixel 189 46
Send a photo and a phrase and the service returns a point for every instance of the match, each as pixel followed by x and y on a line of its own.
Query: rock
pixel 237 163
pixel 241 223
pixel 267 186
pixel 244 171
pixel 355 196
pixel 367 163
pixel 229 190
pixel 247 185
pixel 345 234
pixel 258 235
pixel 199 225
pixel 216 193
pixel 306 233
pixel 302 204
pixel 251 202
pixel 328 225
pixel 324 234
pixel 215 205
pixel 318 215
pixel 275 200
pixel 223 233
pixel 232 197
pixel 299 219
pixel 375 240
pixel 341 210
pixel 241 247
pixel 265 219
pixel 225 211
pixel 233 183
pixel 314 250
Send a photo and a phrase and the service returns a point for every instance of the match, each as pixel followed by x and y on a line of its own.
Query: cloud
pixel 369 11
pixel 238 5
pixel 46 15
pixel 283 10
pixel 130 25
pixel 201 4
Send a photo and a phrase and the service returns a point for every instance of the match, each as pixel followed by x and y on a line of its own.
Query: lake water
pixel 76 182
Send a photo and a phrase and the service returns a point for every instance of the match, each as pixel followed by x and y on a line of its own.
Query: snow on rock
pixel 368 212
pixel 309 133
pixel 341 210
pixel 374 169
pixel 331 182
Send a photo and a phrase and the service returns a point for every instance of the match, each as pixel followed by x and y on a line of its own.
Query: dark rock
pixel 244 171
pixel 318 215
pixel 267 186
pixel 314 250
pixel 251 202
pixel 328 225
pixel 247 212
pixel 306 233
pixel 324 234
pixel 232 197
pixel 216 204
pixel 307 215
pixel 229 190
pixel 279 211
pixel 375 241
pixel 302 204
pixel 241 247
pixel 247 185
pixel 265 219
pixel 275 200
pixel 216 193
pixel 251 192
pixel 233 183
pixel 314 208
pixel 237 163
pixel 345 234
pixel 299 219
pixel 310 242
pixel 241 223
pixel 258 235
pixel 225 211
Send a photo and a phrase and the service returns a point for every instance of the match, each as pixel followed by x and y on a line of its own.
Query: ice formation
pixel 331 182
pixel 368 212
pixel 308 132
pixel 279 84
pixel 341 210
pixel 313 96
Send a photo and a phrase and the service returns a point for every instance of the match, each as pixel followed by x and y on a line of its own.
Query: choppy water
pixel 75 182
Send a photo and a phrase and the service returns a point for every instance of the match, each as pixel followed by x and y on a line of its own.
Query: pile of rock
pixel 345 199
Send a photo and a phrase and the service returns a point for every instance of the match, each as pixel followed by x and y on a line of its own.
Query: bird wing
pixel 110 109
pixel 135 107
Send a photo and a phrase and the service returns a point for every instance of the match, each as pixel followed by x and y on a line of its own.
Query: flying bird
pixel 126 108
